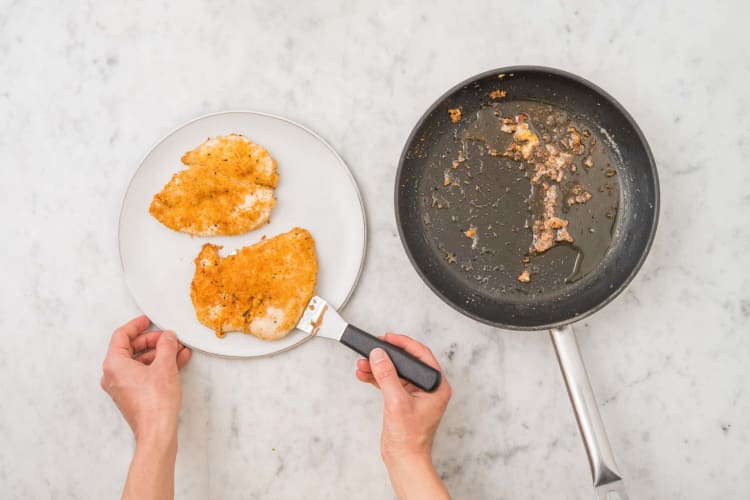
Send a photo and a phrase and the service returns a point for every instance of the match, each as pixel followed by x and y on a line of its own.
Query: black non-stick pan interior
pixel 454 182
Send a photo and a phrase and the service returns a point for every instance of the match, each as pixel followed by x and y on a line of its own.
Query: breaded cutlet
pixel 226 189
pixel 261 289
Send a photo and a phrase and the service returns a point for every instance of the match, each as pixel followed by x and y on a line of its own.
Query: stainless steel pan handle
pixel 607 479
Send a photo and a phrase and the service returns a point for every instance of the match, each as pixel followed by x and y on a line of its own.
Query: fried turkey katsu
pixel 238 156
pixel 227 189
pixel 261 289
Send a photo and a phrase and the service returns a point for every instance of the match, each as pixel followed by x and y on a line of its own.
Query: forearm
pixel 415 478
pixel 151 473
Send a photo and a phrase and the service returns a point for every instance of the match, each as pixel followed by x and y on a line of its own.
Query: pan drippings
pixel 522 197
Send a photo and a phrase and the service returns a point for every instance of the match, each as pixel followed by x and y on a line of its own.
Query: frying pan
pixel 451 180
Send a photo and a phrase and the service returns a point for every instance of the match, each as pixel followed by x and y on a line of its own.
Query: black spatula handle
pixel 408 367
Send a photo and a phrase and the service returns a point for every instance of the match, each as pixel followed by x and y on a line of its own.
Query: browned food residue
pixel 497 94
pixel 563 165
pixel 551 164
pixel 524 277
pixel 550 229
pixel 455 114
pixel 577 194
pixel 472 234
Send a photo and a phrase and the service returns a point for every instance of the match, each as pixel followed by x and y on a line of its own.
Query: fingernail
pixel 377 355
pixel 170 334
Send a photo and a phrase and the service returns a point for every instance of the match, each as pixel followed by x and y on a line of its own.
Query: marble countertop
pixel 87 87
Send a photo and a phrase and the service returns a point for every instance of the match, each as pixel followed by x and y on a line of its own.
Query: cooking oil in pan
pixel 481 203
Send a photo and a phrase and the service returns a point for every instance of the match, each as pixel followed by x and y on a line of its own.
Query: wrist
pixel 409 459
pixel 413 476
pixel 151 473
pixel 161 435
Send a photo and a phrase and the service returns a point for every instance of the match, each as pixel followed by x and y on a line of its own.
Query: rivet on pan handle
pixel 607 479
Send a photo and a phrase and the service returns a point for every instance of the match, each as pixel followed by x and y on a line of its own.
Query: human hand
pixel 410 415
pixel 141 374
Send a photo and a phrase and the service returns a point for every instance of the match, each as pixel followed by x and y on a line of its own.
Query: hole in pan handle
pixel 408 367
pixel 604 471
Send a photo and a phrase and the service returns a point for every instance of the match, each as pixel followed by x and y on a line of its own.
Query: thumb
pixel 386 376
pixel 166 349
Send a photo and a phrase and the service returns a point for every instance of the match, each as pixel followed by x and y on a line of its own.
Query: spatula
pixel 321 319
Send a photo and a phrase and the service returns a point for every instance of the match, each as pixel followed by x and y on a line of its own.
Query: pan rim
pixel 601 93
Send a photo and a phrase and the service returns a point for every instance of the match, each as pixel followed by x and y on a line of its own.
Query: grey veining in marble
pixel 87 87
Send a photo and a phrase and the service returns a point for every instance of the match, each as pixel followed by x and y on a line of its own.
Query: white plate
pixel 316 191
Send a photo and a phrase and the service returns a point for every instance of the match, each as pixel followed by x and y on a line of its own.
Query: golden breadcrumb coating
pixel 227 189
pixel 262 289
pixel 204 201
pixel 238 156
